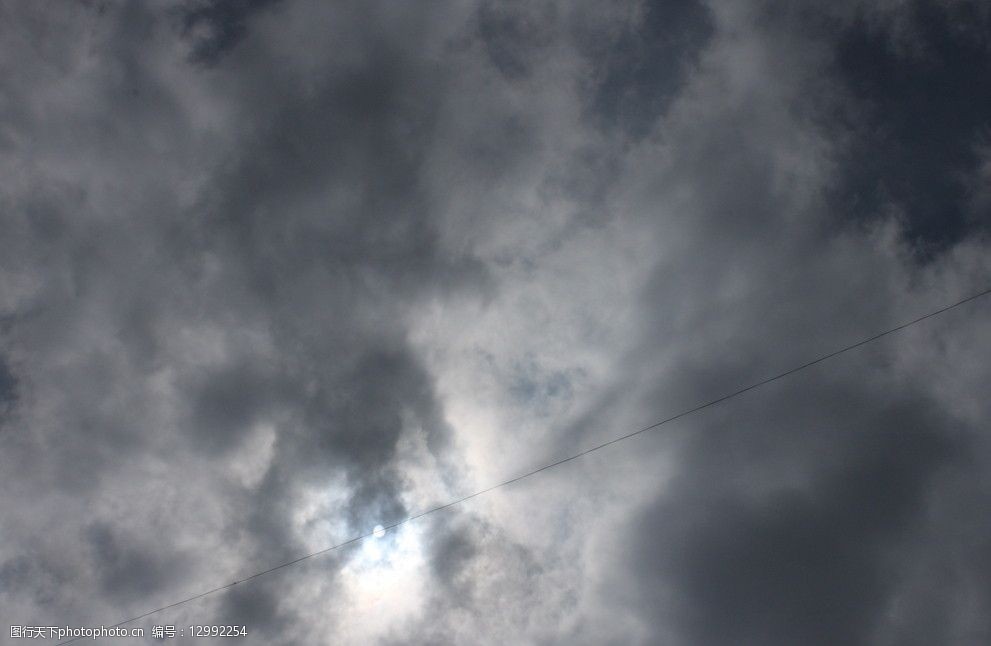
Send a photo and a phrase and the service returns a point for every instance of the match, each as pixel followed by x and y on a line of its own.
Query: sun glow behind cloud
pixel 383 581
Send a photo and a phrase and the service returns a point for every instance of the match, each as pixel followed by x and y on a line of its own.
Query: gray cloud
pixel 217 27
pixel 275 273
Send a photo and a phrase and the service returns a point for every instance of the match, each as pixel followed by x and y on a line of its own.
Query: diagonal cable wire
pixel 551 465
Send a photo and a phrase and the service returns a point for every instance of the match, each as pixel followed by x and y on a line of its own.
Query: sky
pixel 274 273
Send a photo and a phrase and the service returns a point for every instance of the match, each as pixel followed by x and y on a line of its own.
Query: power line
pixel 551 465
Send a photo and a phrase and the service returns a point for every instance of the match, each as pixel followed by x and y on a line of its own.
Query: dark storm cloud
pixel 127 566
pixel 922 88
pixel 8 388
pixel 261 606
pixel 516 34
pixel 216 26
pixel 815 561
pixel 642 69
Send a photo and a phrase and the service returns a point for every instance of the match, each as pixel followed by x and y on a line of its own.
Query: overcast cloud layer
pixel 274 273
